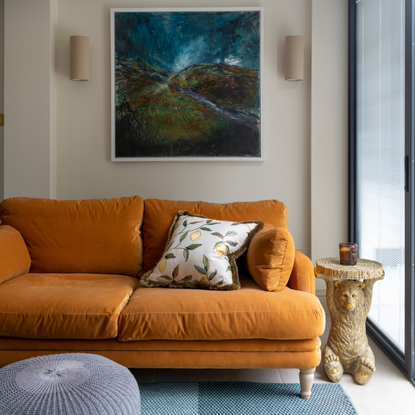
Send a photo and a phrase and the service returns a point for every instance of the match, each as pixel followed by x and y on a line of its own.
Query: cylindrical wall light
pixel 294 58
pixel 79 46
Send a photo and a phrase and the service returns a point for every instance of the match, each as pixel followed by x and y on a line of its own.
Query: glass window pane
pixel 380 155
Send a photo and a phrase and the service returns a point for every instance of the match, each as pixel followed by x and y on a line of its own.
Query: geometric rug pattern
pixel 242 398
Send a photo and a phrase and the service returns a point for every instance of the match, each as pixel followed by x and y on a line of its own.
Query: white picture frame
pixel 165 102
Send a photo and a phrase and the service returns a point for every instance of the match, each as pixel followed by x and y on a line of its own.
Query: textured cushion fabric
pixel 80 236
pixel 68 384
pixel 197 359
pixel 171 353
pixel 248 345
pixel 270 257
pixel 302 276
pixel 64 306
pixel 201 253
pixel 14 257
pixel 159 214
pixel 248 313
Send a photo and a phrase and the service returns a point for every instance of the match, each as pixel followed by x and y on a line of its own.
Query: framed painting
pixel 186 84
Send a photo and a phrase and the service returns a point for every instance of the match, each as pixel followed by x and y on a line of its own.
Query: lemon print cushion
pixel 201 253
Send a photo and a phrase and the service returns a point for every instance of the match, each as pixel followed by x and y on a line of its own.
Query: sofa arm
pixel 14 256
pixel 302 275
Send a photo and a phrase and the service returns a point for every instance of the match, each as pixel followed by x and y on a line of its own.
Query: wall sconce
pixel 79 46
pixel 294 58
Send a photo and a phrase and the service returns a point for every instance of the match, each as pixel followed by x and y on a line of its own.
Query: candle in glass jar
pixel 348 253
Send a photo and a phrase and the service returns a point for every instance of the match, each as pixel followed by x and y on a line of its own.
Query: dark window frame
pixel 404 361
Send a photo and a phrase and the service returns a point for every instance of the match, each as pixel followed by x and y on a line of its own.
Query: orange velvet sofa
pixel 69 283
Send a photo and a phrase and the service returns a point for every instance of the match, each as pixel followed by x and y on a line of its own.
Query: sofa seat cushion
pixel 248 313
pixel 64 306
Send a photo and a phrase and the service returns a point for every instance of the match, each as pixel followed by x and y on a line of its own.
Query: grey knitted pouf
pixel 68 384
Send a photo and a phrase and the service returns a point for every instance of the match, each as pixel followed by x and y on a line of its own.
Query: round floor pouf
pixel 68 384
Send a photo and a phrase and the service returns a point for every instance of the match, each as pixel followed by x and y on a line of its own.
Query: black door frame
pixel 404 361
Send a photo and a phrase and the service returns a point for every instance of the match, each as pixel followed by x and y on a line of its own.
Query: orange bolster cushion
pixel 270 257
pixel 14 257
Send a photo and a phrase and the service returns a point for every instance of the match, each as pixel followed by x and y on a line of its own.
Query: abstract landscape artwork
pixel 186 84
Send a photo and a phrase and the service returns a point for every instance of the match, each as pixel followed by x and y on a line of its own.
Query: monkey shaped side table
pixel 347 349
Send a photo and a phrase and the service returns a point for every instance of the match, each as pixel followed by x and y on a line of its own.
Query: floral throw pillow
pixel 201 253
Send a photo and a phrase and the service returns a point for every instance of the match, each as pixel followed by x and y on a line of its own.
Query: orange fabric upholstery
pixel 248 313
pixel 302 276
pixel 250 345
pixel 270 257
pixel 82 236
pixel 159 214
pixel 100 308
pixel 189 359
pixel 64 306
pixel 14 257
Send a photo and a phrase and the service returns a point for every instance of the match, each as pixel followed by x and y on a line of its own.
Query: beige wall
pixel 30 103
pixel 329 152
pixel 293 131
pixel 85 169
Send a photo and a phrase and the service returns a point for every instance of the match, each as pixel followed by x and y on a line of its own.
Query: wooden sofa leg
pixel 306 382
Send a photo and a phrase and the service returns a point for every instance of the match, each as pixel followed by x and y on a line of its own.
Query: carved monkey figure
pixel 347 349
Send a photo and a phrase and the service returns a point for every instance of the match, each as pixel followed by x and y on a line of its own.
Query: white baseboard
pixel 321 294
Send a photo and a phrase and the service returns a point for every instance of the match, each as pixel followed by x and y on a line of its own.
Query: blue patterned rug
pixel 242 398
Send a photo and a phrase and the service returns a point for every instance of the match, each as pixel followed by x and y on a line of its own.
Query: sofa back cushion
pixel 79 236
pixel 14 257
pixel 158 215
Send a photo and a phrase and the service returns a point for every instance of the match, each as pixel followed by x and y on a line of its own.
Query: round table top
pixel 365 269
